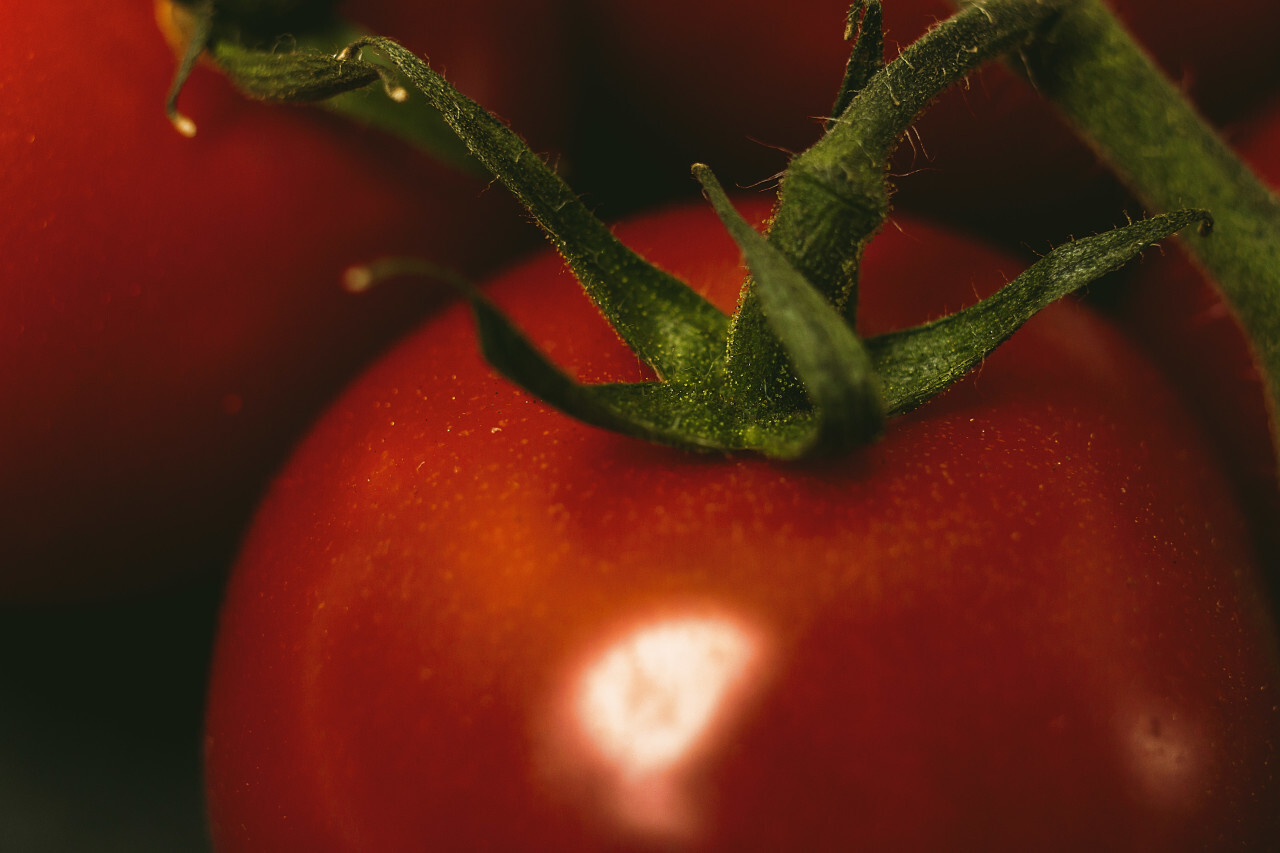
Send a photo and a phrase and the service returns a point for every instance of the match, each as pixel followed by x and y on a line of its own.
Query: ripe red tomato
pixel 1025 620
pixel 735 85
pixel 1176 312
pixel 173 313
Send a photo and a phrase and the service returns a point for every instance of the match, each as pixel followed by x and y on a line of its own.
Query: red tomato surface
pixel 1174 309
pixel 737 84
pixel 173 314
pixel 1025 620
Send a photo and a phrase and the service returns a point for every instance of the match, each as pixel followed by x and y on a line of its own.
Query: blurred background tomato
pixel 172 318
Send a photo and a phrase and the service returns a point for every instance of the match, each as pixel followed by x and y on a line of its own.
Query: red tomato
pixel 173 314
pixel 1178 315
pixel 1025 620
pixel 730 84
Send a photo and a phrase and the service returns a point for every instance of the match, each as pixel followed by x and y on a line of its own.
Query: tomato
pixel 1025 620
pixel 173 312
pixel 1176 312
pixel 737 85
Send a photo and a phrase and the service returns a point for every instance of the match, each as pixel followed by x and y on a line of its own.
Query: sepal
pixel 918 363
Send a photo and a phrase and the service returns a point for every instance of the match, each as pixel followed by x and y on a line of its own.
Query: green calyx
pixel 786 375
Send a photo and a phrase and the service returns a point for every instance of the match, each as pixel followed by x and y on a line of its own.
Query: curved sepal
pixel 918 363
pixel 654 411
pixel 691 416
pixel 668 325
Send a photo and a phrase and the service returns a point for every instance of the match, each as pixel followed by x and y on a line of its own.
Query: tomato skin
pixel 1026 619
pixel 737 85
pixel 173 312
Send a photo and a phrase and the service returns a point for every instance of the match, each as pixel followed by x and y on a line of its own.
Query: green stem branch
pixel 834 196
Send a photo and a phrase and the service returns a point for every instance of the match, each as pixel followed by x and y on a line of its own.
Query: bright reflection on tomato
pixel 649 704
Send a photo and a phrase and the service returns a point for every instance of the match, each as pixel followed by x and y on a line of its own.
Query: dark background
pixel 100 710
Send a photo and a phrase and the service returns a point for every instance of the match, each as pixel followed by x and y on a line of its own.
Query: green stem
pixel 1137 121
pixel 834 196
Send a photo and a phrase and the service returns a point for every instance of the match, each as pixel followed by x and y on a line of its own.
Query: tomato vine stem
pixel 834 195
